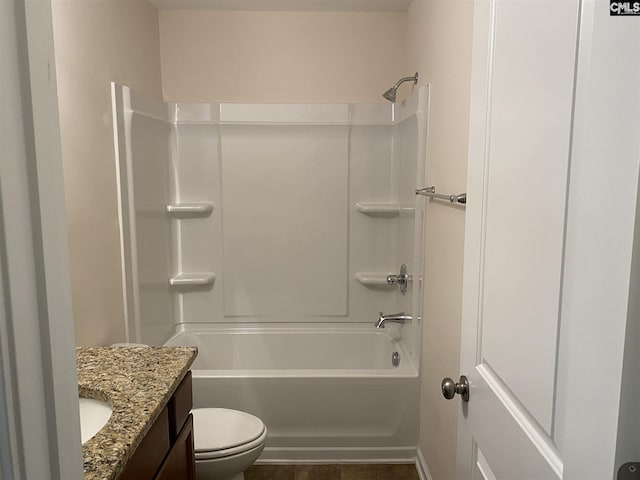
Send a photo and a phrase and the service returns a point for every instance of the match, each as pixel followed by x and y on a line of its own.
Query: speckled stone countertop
pixel 137 382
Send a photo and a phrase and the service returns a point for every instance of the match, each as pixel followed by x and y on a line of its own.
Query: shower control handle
pixel 451 388
pixel 402 279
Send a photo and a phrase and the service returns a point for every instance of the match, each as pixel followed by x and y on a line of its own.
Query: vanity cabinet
pixel 166 452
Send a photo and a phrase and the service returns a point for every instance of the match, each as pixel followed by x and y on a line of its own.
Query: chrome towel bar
pixel 431 192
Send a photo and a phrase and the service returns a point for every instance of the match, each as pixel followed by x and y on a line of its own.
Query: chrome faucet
pixel 394 317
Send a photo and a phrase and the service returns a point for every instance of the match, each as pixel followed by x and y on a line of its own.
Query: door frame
pixel 38 401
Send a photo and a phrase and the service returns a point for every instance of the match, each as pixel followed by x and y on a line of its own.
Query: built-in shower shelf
pixel 201 209
pixel 369 279
pixel 380 209
pixel 192 279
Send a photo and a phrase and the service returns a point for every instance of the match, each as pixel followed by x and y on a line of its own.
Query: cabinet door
pixel 149 455
pixel 180 406
pixel 180 461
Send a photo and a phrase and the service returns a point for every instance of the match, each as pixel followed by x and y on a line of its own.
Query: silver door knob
pixel 451 388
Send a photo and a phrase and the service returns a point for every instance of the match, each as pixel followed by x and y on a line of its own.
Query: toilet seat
pixel 222 432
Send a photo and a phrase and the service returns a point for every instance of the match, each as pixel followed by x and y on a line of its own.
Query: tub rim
pixel 406 369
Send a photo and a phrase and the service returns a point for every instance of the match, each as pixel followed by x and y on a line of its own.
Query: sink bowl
pixel 94 414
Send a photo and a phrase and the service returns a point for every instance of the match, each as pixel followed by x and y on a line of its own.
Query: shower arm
pixel 413 78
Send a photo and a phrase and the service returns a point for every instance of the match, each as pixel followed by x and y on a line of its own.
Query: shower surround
pixel 267 232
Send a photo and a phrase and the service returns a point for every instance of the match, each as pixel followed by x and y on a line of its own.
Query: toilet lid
pixel 218 429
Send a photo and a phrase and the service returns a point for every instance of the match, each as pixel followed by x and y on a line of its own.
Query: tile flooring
pixel 332 472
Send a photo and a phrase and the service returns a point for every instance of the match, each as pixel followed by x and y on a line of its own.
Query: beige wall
pixel 280 57
pixel 96 42
pixel 439 47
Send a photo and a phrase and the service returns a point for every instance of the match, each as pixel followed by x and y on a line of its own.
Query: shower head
pixel 391 93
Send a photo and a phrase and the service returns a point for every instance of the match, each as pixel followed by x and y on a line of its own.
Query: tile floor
pixel 332 472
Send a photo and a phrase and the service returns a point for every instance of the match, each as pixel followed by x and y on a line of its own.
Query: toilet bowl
pixel 226 442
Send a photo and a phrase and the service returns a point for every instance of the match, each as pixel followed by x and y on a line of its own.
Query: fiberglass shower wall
pixel 277 213
pixel 141 135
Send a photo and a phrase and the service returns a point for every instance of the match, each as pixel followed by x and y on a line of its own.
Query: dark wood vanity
pixel 166 452
pixel 149 434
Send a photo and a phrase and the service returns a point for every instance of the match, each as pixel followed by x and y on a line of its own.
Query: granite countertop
pixel 137 382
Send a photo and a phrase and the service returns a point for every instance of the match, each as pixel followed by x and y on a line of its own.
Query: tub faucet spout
pixel 394 317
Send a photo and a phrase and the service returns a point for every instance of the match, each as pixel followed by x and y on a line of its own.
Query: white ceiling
pixel 288 5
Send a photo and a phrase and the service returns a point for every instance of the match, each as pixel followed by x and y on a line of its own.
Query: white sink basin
pixel 94 414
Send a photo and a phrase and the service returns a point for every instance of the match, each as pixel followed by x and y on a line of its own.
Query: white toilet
pixel 227 442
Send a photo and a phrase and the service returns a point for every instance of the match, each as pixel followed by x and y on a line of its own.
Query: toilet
pixel 226 442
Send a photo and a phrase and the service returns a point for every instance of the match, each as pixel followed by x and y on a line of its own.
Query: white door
pixel 521 345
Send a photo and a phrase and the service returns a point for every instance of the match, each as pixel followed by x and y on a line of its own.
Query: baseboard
pixel 275 456
pixel 421 466
pixel 284 455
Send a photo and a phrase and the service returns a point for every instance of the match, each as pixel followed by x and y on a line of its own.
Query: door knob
pixel 450 388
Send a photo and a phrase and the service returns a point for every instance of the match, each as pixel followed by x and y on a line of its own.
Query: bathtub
pixel 326 393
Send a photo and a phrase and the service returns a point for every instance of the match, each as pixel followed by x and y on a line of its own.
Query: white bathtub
pixel 324 392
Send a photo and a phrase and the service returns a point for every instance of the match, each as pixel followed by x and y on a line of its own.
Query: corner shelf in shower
pixel 370 279
pixel 383 209
pixel 200 209
pixel 192 279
